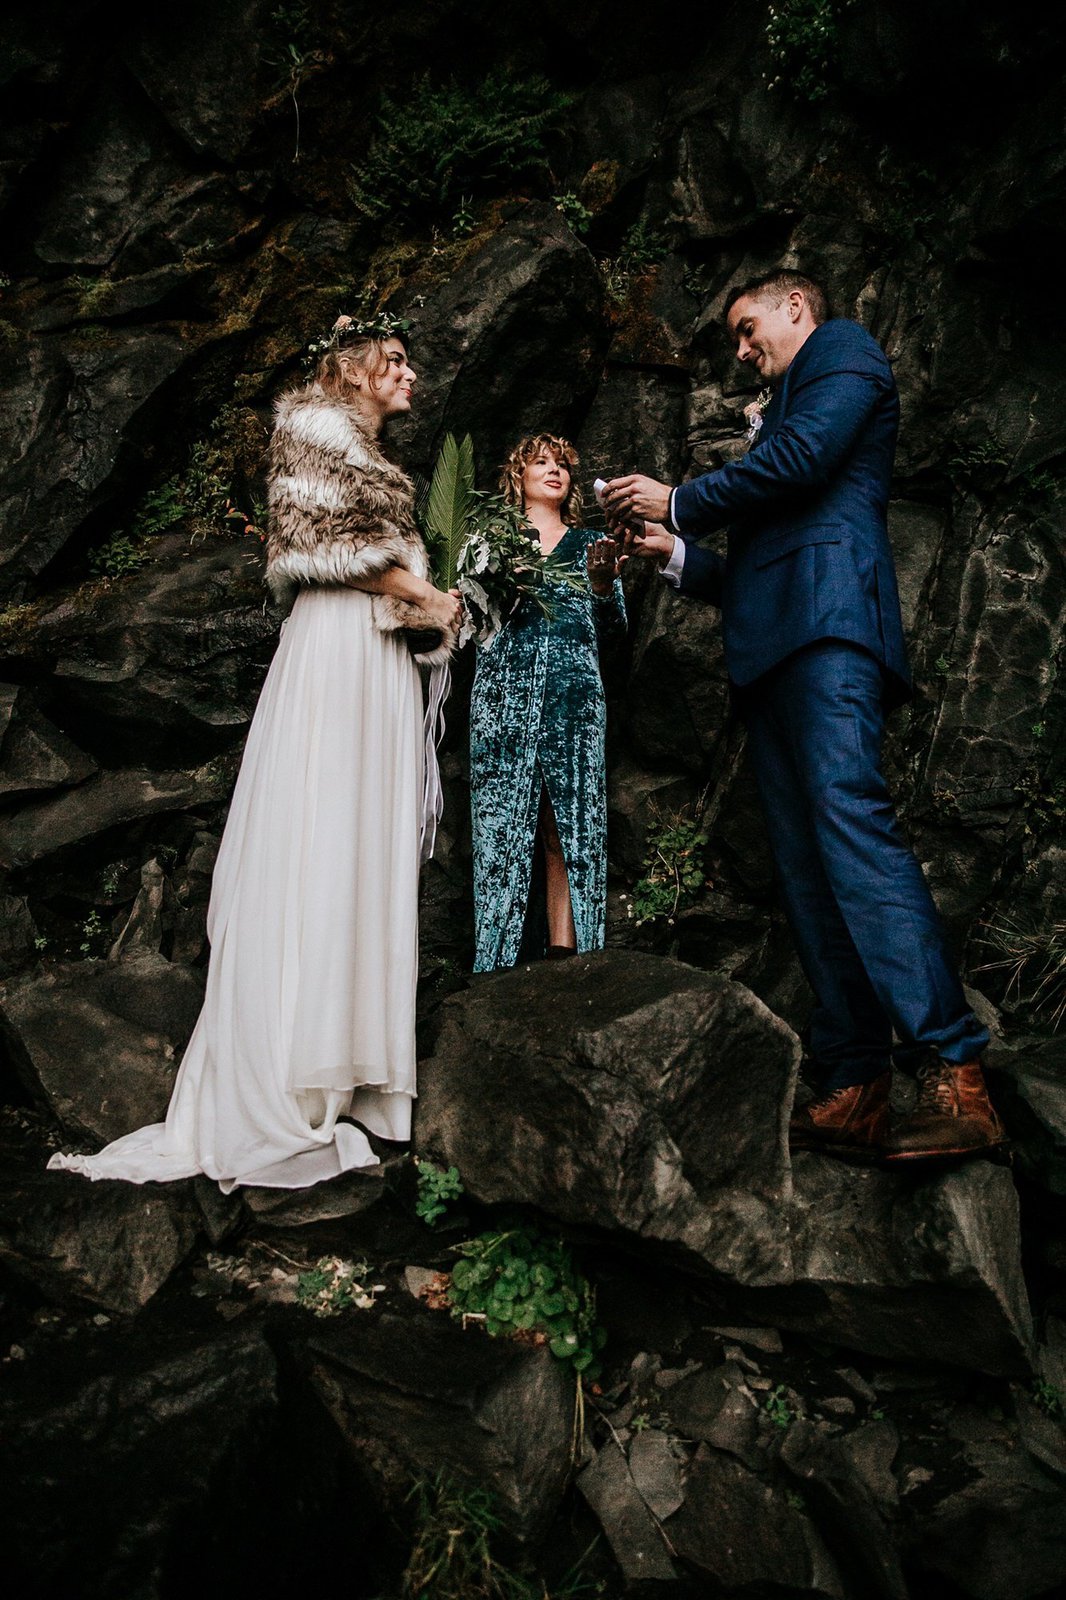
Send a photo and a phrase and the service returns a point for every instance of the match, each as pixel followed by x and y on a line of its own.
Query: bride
pixel 309 1012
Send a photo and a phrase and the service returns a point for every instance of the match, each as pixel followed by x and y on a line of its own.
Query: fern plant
pixel 441 145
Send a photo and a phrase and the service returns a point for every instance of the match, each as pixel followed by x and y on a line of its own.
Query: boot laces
pixel 934 1088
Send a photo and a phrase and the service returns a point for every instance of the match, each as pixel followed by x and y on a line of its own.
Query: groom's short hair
pixel 778 283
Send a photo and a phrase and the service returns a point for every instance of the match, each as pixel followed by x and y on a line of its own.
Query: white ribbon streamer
pixel 440 683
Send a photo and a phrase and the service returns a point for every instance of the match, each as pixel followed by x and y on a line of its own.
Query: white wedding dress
pixel 309 1013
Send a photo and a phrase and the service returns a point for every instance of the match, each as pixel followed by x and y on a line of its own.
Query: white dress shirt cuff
pixel 672 569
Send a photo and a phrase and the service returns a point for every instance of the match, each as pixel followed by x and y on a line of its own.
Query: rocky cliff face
pixel 189 197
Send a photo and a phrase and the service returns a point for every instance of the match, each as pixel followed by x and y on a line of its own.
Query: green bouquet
pixel 484 547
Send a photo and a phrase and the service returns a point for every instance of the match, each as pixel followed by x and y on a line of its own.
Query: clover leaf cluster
pixel 524 1283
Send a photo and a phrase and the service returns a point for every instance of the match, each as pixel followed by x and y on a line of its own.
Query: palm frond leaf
pixel 448 506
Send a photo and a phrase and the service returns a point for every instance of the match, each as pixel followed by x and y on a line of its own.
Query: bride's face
pixel 545 479
pixel 387 393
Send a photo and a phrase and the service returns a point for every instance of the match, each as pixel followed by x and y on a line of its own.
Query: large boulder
pixel 107 800
pixel 1029 1085
pixel 97 1043
pixel 744 1536
pixel 418 1394
pixel 622 1092
pixel 513 343
pixel 630 1094
pixel 64 409
pixel 131 1462
pixel 34 753
pixel 109 1245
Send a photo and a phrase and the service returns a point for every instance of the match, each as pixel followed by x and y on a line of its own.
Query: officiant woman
pixel 537 720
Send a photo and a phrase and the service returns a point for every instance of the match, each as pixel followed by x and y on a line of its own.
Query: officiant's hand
pixel 636 497
pixel 604 562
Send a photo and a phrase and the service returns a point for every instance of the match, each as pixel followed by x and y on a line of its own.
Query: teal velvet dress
pixel 537 717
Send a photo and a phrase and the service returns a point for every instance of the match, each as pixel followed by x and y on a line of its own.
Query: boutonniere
pixel 753 414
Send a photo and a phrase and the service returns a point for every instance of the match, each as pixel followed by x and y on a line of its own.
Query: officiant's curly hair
pixel 527 450
pixel 778 283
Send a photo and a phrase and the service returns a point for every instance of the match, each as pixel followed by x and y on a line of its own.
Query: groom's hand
pixel 637 498
pixel 651 542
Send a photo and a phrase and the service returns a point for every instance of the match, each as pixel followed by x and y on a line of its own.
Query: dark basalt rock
pixel 97 1043
pixel 997 1530
pixel 106 801
pixel 111 1245
pixel 1029 1083
pixel 34 754
pixel 744 1536
pixel 512 344
pixel 115 1468
pixel 65 407
pixel 416 1395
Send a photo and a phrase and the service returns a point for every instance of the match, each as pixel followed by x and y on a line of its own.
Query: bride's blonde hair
pixel 369 355
pixel 525 451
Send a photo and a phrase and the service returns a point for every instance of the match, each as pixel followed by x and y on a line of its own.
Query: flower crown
pixel 349 330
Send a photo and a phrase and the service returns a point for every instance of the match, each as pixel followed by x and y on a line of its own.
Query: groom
pixel 815 653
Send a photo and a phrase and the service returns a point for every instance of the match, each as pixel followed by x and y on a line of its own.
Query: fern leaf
pixel 448 508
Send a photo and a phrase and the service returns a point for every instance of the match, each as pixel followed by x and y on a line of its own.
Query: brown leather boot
pixel 851 1122
pixel 953 1116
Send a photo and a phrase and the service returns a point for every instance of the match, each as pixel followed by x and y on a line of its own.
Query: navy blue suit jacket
pixel 808 555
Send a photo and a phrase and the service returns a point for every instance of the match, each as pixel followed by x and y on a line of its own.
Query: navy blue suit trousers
pixel 867 932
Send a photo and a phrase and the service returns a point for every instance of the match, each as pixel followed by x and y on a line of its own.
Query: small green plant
pixel 118 557
pixel 641 1422
pixel 984 456
pixel 877 1414
pixel 464 219
pixel 1042 486
pixel 437 1187
pixel 452 1556
pixel 293 54
pixel 643 247
pixel 804 41
pixel 109 881
pixel 777 1407
pixel 1050 1398
pixel 577 215
pixel 1044 804
pixel 942 666
pixel 523 1283
pixel 92 929
pixel 673 866
pixel 794 1500
pixel 439 143
pixel 5 282
pixel 332 1286
pixel 40 942
pixel 159 510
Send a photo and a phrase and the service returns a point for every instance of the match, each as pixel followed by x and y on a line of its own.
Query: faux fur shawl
pixel 339 511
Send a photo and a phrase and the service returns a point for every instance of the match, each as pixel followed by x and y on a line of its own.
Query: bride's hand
pixel 446 609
